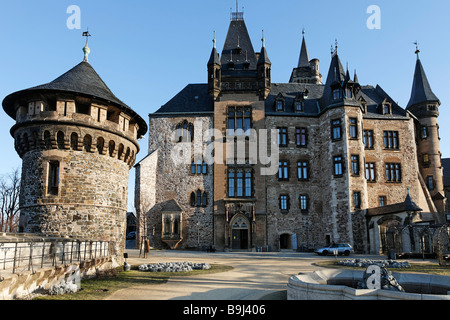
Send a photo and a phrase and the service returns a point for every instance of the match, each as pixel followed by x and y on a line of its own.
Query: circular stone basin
pixel 334 284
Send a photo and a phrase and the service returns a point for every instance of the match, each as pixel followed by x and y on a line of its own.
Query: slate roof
pixel 303 60
pixel 237 32
pixel 421 89
pixel 407 205
pixel 194 98
pixel 81 79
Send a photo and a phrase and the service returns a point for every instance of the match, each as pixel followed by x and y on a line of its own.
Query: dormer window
pixel 348 93
pixel 279 105
pixel 231 65
pixel 386 108
pixel 336 94
pixel 299 106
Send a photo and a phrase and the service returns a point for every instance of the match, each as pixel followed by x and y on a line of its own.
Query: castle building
pixel 350 161
pixel 77 142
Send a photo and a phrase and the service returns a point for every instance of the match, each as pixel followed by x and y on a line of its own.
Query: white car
pixel 336 249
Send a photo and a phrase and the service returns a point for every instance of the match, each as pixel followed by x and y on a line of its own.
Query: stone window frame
pixel 356 197
pixel 303 170
pixel 336 130
pixel 284 203
pixel 393 172
pixel 236 115
pixel 371 172
pixel 338 166
pixel 431 183
pixel 184 132
pixel 382 201
pixel 303 203
pixel 353 128
pixel 198 168
pixel 355 165
pixel 283 170
pixel 49 160
pixel 248 177
pixel 198 199
pixel 391 140
pixel 283 136
pixel 369 139
pixel 301 137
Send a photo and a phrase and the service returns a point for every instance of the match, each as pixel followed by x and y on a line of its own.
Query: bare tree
pixel 9 201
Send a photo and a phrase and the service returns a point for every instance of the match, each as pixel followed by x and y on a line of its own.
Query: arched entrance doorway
pixel 240 238
pixel 285 241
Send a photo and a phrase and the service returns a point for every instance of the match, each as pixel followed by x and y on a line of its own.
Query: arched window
pixel 60 140
pixel 199 198
pixel 127 155
pixel 74 141
pixel 185 132
pixel 111 148
pixel 192 199
pixel 87 143
pixel 47 140
pixel 204 199
pixel 120 152
pixel 100 145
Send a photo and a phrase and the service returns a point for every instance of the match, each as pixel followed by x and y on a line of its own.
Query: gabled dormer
pixel 280 103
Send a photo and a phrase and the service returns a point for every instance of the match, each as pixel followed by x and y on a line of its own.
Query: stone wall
pixel 91 197
pixel 174 181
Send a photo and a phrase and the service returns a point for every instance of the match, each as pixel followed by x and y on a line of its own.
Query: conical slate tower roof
pixel 421 89
pixel 303 61
pixel 81 80
pixel 238 38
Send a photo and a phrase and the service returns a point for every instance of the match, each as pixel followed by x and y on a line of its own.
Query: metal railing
pixel 29 254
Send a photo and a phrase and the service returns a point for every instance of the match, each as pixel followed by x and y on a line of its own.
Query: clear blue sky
pixel 146 51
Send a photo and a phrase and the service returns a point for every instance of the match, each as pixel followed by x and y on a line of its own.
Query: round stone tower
pixel 77 142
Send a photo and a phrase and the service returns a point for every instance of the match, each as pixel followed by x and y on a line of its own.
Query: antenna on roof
pixel 86 49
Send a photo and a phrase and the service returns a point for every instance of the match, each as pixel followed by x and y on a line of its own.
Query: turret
pixel 214 72
pixel 424 104
pixel 264 71
pixel 307 71
pixel 77 142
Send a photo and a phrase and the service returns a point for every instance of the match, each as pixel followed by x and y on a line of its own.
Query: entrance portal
pixel 240 233
pixel 240 239
pixel 285 241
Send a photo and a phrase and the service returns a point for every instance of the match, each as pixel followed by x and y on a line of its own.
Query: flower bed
pixel 364 263
pixel 174 267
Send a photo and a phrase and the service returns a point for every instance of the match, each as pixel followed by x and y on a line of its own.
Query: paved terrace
pixel 254 276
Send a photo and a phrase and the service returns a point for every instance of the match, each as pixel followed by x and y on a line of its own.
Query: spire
pixel 86 49
pixel 421 89
pixel 355 78
pixel 214 58
pixel 244 54
pixel 304 55
pixel 263 56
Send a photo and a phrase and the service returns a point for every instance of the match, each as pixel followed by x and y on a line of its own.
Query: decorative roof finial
pixel 214 40
pixel 86 49
pixel 417 49
pixel 263 39
pixel 303 32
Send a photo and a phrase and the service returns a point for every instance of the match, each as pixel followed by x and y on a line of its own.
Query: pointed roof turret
pixel 263 56
pixel 421 89
pixel 238 47
pixel 303 61
pixel 214 58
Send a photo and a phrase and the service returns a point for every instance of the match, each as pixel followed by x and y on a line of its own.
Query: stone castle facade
pixel 351 161
pixel 77 142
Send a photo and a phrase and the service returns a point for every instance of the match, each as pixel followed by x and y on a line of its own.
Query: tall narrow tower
pixel 424 104
pixel 77 142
